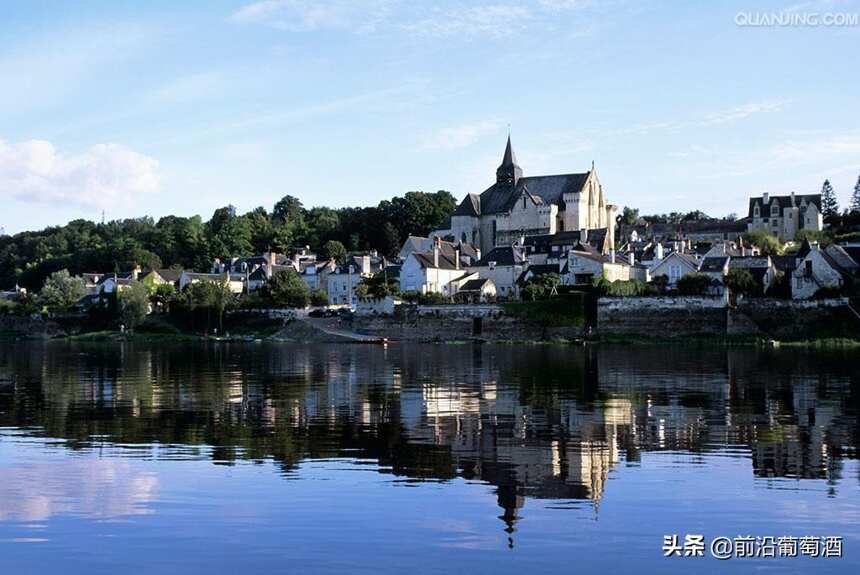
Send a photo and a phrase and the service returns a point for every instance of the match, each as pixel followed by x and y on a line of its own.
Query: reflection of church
pixel 547 423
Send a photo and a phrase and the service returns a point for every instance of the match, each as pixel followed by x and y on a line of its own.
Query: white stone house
pixel 674 267
pixel 583 267
pixel 235 282
pixel 503 266
pixel 431 272
pixel 784 216
pixel 817 268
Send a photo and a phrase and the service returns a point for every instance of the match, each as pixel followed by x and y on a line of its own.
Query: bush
pixel 287 289
pixel 319 298
pixel 134 304
pixel 621 288
pixel 741 281
pixel 61 290
pixel 694 284
pixel 827 292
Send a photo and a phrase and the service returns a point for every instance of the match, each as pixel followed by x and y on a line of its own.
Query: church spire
pixel 509 172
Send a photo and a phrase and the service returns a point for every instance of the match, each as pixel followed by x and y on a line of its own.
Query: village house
pixel 761 268
pixel 784 216
pixel 716 267
pixel 342 280
pixel 503 265
pixel 518 206
pixel 478 290
pixel 432 271
pixel 154 278
pixel 469 254
pixel 674 266
pixel 584 266
pixel 236 282
pixel 821 268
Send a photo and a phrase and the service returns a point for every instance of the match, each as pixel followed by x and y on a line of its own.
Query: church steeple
pixel 509 172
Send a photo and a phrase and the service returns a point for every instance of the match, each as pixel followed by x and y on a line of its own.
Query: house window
pixel 524 202
pixel 799 282
pixel 756 211
pixel 774 210
pixel 808 268
pixel 675 273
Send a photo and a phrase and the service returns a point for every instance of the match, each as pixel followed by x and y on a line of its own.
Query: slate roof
pixel 784 264
pixel 426 260
pixel 500 198
pixel 714 264
pixel 169 274
pixel 470 206
pixel 258 275
pixel 841 258
pixel 475 285
pixel 503 256
pixel 750 262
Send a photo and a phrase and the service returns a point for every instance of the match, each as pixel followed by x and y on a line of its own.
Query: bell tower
pixel 509 172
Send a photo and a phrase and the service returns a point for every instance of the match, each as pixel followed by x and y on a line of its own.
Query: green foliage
pixel 162 295
pixel 134 304
pixel 81 246
pixel 286 288
pixel 204 300
pixel 829 203
pixel 694 284
pixel 380 285
pixel 823 237
pixel 629 216
pixel 855 198
pixel 766 242
pixel 741 281
pixel 334 250
pixel 827 292
pixel 621 288
pixel 62 291
pixel 319 298
pixel 541 287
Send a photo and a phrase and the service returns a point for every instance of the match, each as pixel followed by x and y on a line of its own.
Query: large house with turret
pixel 518 206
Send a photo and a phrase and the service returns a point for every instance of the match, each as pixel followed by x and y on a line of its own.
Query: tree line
pixel 27 258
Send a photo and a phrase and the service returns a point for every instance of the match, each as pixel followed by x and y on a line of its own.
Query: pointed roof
pixel 509 159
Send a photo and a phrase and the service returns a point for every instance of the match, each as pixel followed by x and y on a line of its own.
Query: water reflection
pixel 534 422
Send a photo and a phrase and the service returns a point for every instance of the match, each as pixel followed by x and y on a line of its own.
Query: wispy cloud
pixel 742 112
pixel 496 20
pixel 187 88
pixel 491 19
pixel 103 176
pixel 306 15
pixel 454 137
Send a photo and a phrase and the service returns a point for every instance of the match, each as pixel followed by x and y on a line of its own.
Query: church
pixel 517 206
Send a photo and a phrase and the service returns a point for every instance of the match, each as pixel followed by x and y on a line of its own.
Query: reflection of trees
pixel 533 421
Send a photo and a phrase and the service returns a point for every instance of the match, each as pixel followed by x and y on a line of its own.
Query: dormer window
pixel 774 210
pixel 756 211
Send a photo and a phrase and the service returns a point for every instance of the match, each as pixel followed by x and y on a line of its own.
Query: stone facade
pixel 784 216
pixel 517 206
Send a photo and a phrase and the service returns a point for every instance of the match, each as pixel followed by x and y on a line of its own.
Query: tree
pixel 334 250
pixel 694 284
pixel 855 198
pixel 629 216
pixel 541 287
pixel 61 290
pixel 286 288
pixel 741 281
pixel 134 304
pixel 829 204
pixel 766 242
pixel 288 209
pixel 162 295
pixel 380 285
pixel 319 298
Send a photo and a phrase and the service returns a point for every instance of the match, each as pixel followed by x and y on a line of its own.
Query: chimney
pixel 658 251
pixel 457 258
pixel 764 198
pixel 631 258
pixel 436 254
pixel 583 235
pixel 792 199
pixel 135 273
pixel 612 255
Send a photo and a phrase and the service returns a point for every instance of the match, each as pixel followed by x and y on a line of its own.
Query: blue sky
pixel 182 107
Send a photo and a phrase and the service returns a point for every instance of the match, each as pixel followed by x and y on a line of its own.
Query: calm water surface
pixel 187 458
